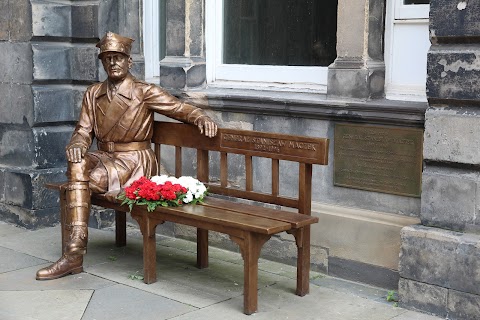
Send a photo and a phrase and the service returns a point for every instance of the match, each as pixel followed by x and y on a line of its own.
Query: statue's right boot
pixel 67 264
pixel 78 212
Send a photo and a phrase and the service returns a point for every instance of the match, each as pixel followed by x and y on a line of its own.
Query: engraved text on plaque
pixel 377 158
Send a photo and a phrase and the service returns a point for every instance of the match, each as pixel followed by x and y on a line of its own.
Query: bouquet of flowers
pixel 163 191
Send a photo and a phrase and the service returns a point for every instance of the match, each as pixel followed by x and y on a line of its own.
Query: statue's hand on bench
pixel 207 126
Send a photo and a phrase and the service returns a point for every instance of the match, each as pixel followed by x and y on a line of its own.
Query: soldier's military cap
pixel 113 42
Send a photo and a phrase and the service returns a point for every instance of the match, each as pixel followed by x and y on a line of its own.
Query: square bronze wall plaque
pixel 378 158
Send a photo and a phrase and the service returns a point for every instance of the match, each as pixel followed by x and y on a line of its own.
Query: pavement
pixel 111 287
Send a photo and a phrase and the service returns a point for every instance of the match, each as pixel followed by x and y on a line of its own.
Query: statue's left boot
pixel 67 264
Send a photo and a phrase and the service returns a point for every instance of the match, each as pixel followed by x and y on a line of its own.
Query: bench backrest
pixel 303 150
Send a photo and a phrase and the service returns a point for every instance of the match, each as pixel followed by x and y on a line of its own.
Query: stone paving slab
pixel 44 305
pixel 278 302
pixel 7 229
pixel 24 279
pixel 179 279
pixel 12 260
pixel 105 291
pixel 123 302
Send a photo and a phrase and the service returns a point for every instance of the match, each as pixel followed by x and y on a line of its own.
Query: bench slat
pixel 212 215
pixel 251 195
pixel 295 219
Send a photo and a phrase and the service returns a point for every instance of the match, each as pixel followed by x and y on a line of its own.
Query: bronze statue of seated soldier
pixel 119 113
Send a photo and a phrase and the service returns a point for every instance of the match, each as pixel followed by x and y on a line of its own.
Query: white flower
pixel 188 197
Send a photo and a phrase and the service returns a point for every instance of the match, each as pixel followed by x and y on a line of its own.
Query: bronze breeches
pixel 110 171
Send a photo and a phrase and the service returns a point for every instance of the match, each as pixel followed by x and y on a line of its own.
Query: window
pixel 279 43
pixel 406 46
pixel 154 37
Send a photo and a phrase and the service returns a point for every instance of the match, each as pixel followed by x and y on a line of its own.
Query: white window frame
pixel 411 11
pixel 253 76
pixel 397 13
pixel 151 36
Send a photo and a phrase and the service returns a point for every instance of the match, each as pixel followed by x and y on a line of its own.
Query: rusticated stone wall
pixel 440 261
pixel 49 58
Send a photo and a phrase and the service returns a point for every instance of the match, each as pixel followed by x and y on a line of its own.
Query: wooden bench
pixel 248 225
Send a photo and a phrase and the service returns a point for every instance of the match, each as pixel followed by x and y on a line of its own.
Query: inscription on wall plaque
pixel 377 158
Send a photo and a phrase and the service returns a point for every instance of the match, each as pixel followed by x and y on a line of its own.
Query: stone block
pixel 16 106
pixel 442 258
pixel 463 305
pixel 84 63
pixel 4 21
pixel 451 135
pixel 85 21
pixel 453 72
pixel 26 188
pixel 454 18
pixel 2 185
pixel 17 62
pixel 422 296
pixel 50 145
pixel 20 20
pixel 53 104
pixel 51 19
pixel 108 11
pixel 196 76
pixel 16 146
pixel 27 218
pixel 449 198
pixel 358 83
pixel 138 68
pixel 51 62
pixel 195 16
pixel 130 13
pixel 175 25
pixel 173 77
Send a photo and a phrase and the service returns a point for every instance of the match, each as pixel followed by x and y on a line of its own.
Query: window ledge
pixel 310 105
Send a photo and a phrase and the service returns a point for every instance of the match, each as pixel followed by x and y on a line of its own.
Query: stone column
pixel 359 69
pixel 440 261
pixel 184 67
pixel 49 58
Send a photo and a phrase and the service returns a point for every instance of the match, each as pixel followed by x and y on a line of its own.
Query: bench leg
pixel 250 246
pixel 202 248
pixel 147 227
pixel 302 237
pixel 120 228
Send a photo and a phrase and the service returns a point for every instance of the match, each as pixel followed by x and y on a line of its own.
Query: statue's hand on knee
pixel 75 153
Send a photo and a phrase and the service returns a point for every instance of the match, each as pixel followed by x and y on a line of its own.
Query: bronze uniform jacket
pixel 127 117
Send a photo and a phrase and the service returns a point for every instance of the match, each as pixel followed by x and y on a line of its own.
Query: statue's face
pixel 116 65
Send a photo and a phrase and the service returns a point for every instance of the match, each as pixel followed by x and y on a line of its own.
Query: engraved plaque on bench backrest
pixel 275 145
pixel 378 158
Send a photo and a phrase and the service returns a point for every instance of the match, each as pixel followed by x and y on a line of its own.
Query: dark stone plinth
pixel 442 258
pixel 422 296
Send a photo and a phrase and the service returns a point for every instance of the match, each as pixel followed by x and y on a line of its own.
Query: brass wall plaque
pixel 378 158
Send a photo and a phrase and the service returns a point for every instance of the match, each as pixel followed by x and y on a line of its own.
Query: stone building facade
pixel 49 56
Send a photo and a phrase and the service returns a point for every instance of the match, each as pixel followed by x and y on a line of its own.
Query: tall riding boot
pixel 78 211
pixel 67 264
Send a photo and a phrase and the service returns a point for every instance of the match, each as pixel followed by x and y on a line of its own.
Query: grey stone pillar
pixel 50 57
pixel 359 69
pixel 440 260
pixel 184 65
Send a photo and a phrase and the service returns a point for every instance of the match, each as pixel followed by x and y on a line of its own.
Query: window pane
pixel 280 32
pixel 416 1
